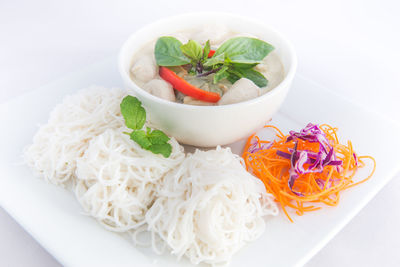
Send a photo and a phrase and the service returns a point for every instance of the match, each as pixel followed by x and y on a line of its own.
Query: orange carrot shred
pixel 273 171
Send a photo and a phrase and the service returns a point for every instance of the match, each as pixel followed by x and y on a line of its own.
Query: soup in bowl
pixel 208 79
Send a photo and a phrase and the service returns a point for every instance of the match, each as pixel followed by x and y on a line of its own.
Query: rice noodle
pixel 209 207
pixel 117 179
pixel 205 206
pixel 72 124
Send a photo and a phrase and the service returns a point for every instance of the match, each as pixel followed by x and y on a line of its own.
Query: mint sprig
pixel 134 115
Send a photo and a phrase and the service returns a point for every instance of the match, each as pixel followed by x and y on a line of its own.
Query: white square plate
pixel 52 215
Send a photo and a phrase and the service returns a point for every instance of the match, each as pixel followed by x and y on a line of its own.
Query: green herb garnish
pixel 168 52
pixel 192 50
pixel 134 115
pixel 234 59
pixel 245 50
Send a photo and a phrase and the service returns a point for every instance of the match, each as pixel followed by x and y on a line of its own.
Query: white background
pixel 351 47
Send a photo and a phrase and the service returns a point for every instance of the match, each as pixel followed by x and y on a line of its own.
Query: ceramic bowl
pixel 209 126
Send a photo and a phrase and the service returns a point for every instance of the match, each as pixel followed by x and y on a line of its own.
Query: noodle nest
pixel 204 206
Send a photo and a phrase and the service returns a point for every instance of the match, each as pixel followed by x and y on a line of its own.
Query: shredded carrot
pixel 273 171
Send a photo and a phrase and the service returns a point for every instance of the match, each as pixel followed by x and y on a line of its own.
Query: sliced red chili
pixel 186 88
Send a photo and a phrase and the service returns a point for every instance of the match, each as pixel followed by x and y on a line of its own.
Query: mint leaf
pixel 253 75
pixel 221 74
pixel 148 130
pixel 163 149
pixel 168 52
pixel 141 138
pixel 192 50
pixel 157 137
pixel 155 141
pixel 135 116
pixel 133 112
pixel 206 50
pixel 214 60
pixel 245 50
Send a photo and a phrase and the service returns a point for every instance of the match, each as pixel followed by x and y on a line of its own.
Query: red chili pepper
pixel 186 88
pixel 211 53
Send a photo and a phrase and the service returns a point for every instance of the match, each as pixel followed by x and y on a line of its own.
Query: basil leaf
pixel 245 50
pixel 133 112
pixel 233 75
pixel 254 76
pixel 206 50
pixel 232 78
pixel 157 137
pixel 243 65
pixel 192 50
pixel 221 74
pixel 214 60
pixel 141 138
pixel 168 52
pixel 163 149
pixel 228 60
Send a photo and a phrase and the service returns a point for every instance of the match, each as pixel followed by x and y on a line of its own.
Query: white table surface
pixel 352 47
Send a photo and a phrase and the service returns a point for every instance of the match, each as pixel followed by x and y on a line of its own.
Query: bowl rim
pixel 285 83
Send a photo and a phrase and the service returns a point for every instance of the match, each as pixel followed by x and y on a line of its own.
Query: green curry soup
pixel 215 66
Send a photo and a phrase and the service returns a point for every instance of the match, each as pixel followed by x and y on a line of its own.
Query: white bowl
pixel 208 126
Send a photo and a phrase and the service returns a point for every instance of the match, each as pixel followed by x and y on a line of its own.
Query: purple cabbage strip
pixel 283 154
pixel 293 175
pixel 255 147
pixel 325 156
pixel 320 182
pixel 328 157
pixel 311 133
pixel 355 158
pixel 312 158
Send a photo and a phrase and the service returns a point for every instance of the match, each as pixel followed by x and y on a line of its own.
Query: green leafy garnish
pixel 221 74
pixel 232 78
pixel 234 59
pixel 214 60
pixel 206 50
pixel 163 149
pixel 134 115
pixel 157 137
pixel 192 50
pixel 243 66
pixel 245 50
pixel 252 75
pixel 141 138
pixel 168 52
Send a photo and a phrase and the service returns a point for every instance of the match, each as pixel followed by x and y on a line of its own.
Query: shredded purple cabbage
pixel 320 183
pixel 298 158
pixel 355 159
pixel 255 146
